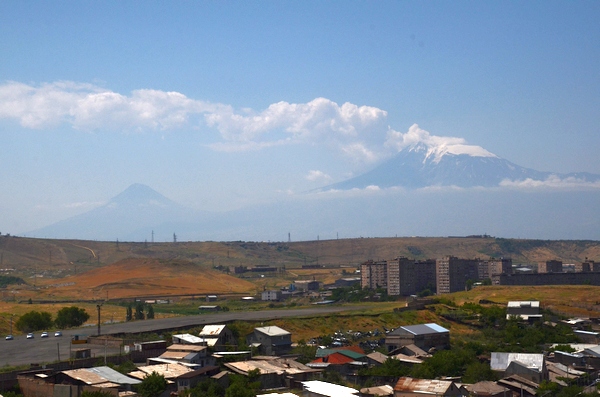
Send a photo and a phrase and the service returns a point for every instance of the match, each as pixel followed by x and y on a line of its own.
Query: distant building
pixel 493 267
pixel 525 310
pixel 452 273
pixel 526 365
pixel 306 285
pixel 217 337
pixel 424 336
pixel 270 340
pixel 347 282
pixel 373 274
pixel 408 277
pixel 552 266
pixel 272 295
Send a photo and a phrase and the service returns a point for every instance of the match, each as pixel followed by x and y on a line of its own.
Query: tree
pixel 150 314
pixel 152 385
pixel 34 321
pixel 139 311
pixel 72 316
pixel 129 315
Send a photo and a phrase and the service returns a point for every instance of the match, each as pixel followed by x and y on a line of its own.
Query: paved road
pixel 45 350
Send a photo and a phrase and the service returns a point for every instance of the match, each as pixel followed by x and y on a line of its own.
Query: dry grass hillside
pixel 76 269
pixel 133 277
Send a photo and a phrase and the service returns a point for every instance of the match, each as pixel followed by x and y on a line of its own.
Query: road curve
pixel 22 351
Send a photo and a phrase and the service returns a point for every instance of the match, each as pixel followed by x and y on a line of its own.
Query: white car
pixel 9 337
pixel 58 333
pixel 30 335
pixel 44 334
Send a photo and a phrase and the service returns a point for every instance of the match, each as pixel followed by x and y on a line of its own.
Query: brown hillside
pixel 142 277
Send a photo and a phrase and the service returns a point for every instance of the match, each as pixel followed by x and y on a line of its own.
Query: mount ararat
pixel 426 189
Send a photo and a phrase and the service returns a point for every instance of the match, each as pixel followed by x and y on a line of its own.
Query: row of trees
pixel 66 317
pixel 141 312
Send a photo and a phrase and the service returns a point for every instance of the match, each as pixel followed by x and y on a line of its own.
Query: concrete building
pixel 272 295
pixel 270 340
pixel 453 273
pixel 217 337
pixel 306 285
pixel 408 277
pixel 526 365
pixel 373 274
pixel 525 310
pixel 424 336
pixel 552 266
pixel 493 267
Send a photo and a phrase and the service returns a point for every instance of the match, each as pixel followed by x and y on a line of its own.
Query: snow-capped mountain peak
pixel 435 153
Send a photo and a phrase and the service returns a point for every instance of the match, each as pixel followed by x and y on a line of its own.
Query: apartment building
pixel 452 273
pixel 373 274
pixel 551 266
pixel 490 267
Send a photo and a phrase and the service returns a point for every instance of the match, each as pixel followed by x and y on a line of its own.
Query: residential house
pixel 217 337
pixel 275 372
pixel 531 366
pixel 411 387
pixel 190 379
pixel 487 389
pixel 270 340
pixel 272 295
pixel 525 310
pixel 98 377
pixel 424 336
pixel 193 356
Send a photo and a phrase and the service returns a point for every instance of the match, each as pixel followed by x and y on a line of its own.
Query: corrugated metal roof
pixel 501 361
pixel 272 330
pixel 189 338
pixel 186 348
pixel 212 330
pixel 426 386
pixel 424 329
pixel 520 304
pixel 329 389
pixel 99 375
pixel 169 371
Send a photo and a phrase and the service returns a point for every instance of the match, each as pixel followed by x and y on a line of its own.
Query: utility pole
pixel 98 306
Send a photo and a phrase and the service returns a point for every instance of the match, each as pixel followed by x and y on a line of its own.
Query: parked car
pixel 58 333
pixel 30 335
pixel 9 337
pixel 44 334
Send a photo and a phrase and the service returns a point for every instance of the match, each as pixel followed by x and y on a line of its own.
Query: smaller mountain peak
pixel 139 193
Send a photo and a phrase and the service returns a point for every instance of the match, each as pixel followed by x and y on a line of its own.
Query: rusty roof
pixel 426 386
pixel 169 371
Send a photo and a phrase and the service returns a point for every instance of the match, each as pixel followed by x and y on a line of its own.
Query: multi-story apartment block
pixel 408 276
pixel 373 274
pixel 490 268
pixel 552 266
pixel 453 273
pixel 587 266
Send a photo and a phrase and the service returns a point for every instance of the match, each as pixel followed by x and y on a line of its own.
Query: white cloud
pixel 88 107
pixel 553 182
pixel 436 146
pixel 316 175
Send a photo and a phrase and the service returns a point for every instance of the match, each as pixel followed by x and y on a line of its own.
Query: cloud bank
pixel 87 107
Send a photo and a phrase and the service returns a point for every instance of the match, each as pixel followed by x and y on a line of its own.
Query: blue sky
pixel 218 105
